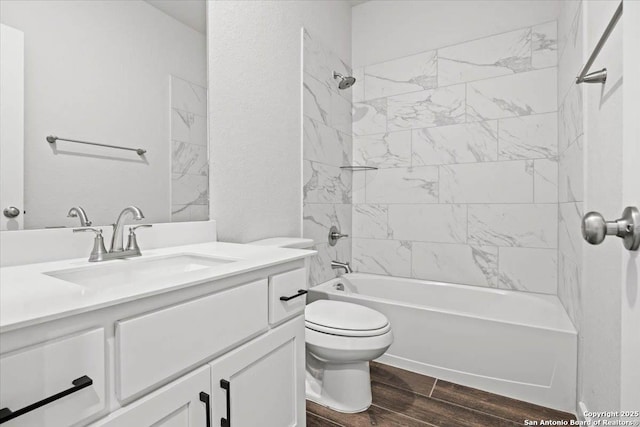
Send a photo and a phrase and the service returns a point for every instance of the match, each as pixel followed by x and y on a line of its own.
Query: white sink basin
pixel 132 271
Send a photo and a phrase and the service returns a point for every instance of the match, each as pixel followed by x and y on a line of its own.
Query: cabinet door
pixel 262 382
pixel 182 403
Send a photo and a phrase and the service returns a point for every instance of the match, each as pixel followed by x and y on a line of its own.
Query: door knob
pixel 595 228
pixel 11 212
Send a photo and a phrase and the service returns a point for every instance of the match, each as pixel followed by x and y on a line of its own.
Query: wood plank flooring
pixel 403 398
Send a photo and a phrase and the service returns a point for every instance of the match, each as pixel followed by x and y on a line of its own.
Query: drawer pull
pixel 78 384
pixel 206 399
pixel 300 293
pixel 226 422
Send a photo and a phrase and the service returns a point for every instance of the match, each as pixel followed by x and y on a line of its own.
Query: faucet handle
pixel 132 242
pixel 99 251
pixel 133 229
pixel 98 231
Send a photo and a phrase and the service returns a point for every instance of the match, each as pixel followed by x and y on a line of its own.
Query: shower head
pixel 345 81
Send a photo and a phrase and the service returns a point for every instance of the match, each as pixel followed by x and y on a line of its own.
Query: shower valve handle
pixel 334 235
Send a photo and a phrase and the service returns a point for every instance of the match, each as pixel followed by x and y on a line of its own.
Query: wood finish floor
pixel 403 398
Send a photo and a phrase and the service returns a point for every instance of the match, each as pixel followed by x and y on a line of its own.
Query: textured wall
pixel 327 146
pixel 465 139
pixel 255 84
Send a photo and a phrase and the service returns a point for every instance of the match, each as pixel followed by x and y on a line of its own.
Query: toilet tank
pixel 285 242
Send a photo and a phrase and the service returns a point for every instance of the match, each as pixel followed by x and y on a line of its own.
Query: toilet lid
pixel 343 317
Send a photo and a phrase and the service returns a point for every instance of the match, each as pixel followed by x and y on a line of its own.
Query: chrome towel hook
pixel 595 228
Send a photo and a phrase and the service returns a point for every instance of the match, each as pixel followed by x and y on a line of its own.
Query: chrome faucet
pixel 345 265
pixel 78 212
pixel 118 231
pixel 99 253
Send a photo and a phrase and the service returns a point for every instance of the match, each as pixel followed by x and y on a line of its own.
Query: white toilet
pixel 341 339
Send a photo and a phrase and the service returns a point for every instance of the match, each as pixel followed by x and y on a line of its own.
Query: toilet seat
pixel 345 319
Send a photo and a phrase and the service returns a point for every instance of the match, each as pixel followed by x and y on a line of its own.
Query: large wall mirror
pixel 124 73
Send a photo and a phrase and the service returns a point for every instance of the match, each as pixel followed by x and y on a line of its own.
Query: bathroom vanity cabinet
pixel 224 352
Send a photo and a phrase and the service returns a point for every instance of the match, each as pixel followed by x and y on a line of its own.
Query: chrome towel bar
pixel 599 76
pixel 52 139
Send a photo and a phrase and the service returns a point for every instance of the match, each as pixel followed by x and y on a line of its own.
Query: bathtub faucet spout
pixel 345 265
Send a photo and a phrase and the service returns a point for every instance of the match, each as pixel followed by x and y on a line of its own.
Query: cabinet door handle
pixel 226 422
pixel 206 399
pixel 78 384
pixel 300 293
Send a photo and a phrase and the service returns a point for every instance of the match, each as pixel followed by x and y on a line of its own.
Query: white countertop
pixel 28 296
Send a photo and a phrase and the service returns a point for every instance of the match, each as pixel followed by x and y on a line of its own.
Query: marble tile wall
pixel 327 145
pixel 189 152
pixel 466 141
pixel 570 149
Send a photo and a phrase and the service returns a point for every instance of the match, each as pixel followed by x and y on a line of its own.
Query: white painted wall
pixel 385 29
pixel 630 338
pixel 601 328
pixel 255 110
pixel 99 71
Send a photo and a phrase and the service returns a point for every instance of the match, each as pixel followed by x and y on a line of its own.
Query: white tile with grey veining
pixel 528 137
pixel 357 90
pixel 463 143
pixel 570 173
pixel 325 145
pixel 515 95
pixel 566 16
pixel 492 56
pixel 317 219
pixel 433 107
pixel 572 56
pixel 198 133
pixel 570 241
pixel 369 117
pixel 455 263
pixel 326 184
pixel 390 257
pixel 316 99
pixel 383 150
pixel 181 213
pixel 189 159
pixel 569 287
pixel 570 118
pixel 488 182
pixel 544 45
pixel 428 223
pixel 370 221
pixel 408 74
pixel 521 225
pixel 545 181
pixel 340 114
pixel 188 96
pixel 189 189
pixel 181 122
pixel 403 185
pixel 320 264
pixel 314 61
pixel 358 186
pixel 531 270
pixel 570 245
pixel 321 62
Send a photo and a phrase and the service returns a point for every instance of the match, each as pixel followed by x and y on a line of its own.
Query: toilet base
pixel 343 387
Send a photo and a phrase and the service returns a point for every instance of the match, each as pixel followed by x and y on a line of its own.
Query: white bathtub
pixel 516 344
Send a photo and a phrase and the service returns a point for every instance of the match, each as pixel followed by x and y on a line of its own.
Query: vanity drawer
pixel 287 285
pixel 157 345
pixel 49 369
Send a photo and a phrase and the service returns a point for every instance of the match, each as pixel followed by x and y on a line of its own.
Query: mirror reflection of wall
pixel 124 73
